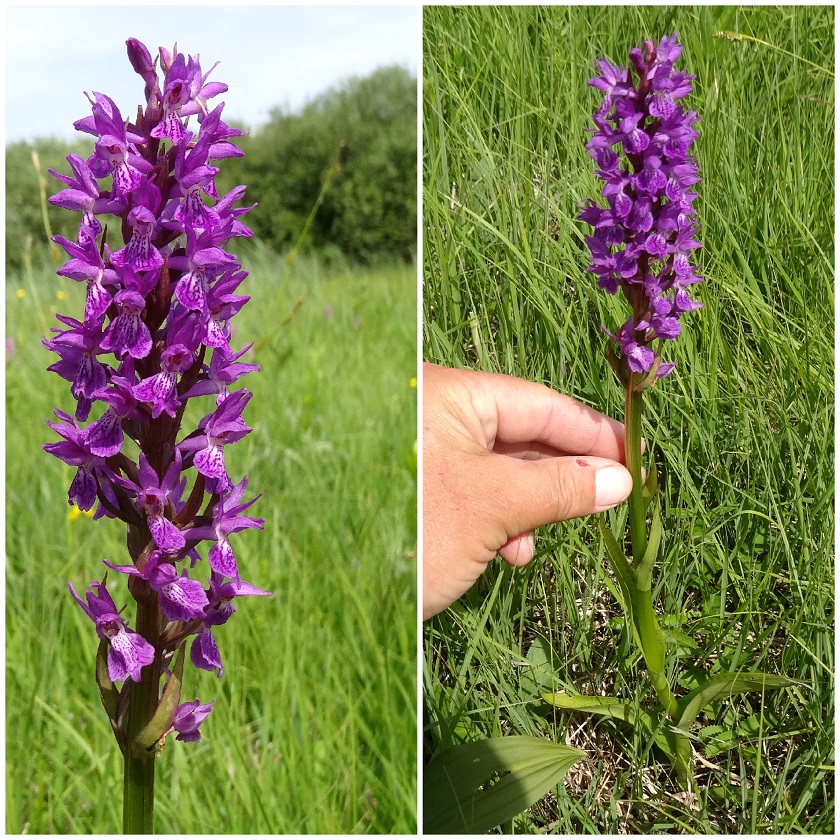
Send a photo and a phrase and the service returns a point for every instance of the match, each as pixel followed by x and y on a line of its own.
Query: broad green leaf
pixel 724 685
pixel 624 710
pixel 460 795
pixel 161 721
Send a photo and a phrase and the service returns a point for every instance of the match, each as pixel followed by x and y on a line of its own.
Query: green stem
pixel 633 459
pixel 139 768
pixel 644 615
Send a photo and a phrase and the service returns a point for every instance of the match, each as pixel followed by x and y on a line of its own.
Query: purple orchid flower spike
pixel 155 336
pixel 643 238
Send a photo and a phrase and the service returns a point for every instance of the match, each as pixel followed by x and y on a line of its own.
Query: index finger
pixel 514 411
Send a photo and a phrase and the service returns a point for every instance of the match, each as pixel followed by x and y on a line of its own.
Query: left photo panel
pixel 211 420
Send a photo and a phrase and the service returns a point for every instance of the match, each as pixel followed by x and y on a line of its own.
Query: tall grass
pixel 742 430
pixel 314 727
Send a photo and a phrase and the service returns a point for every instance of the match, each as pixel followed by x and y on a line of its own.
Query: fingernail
pixel 612 485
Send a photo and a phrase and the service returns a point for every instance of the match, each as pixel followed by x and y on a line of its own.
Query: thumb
pixel 555 489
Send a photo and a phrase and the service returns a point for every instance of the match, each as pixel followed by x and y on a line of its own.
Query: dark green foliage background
pixel 369 210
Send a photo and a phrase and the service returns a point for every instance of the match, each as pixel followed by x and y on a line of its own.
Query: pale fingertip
pixel 612 486
pixel 518 551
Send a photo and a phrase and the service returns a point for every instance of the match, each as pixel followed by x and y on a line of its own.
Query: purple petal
pixel 167 537
pixel 183 599
pixel 128 654
pixel 204 653
pixel 222 560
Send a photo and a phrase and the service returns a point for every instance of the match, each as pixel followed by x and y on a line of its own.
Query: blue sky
pixel 269 55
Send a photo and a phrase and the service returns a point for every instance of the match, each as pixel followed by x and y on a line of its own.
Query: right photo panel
pixel 628 408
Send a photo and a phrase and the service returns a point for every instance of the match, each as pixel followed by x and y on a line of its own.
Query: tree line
pixel 342 170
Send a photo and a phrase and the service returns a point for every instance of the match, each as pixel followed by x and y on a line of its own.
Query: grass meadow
pixel 742 430
pixel 314 727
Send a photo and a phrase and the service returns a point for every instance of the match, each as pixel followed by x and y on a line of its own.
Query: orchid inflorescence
pixel 644 237
pixel 156 334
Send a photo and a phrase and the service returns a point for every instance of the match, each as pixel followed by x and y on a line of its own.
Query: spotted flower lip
pixel 156 335
pixel 643 239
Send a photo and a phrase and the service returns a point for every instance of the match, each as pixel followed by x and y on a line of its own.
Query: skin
pixel 501 457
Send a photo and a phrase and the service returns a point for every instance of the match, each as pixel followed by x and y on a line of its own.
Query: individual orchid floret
pixel 105 436
pixel 224 369
pixel 204 652
pixel 141 61
pixel 176 94
pixel 88 266
pixel 129 651
pixel 155 498
pixel 227 520
pixel 128 334
pixel 181 598
pixel 91 470
pixel 224 426
pixel 188 717
pixel 78 349
pixel 83 195
pixel 160 389
pixel 140 253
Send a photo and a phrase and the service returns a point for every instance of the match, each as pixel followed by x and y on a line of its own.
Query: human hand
pixel 502 456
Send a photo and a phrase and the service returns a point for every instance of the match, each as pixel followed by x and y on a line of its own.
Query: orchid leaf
pixel 651 639
pixel 644 569
pixel 109 694
pixel 613 707
pixel 464 795
pixel 721 686
pixel 620 565
pixel 618 709
pixel 651 485
pixel 613 361
pixel 538 674
pixel 161 721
